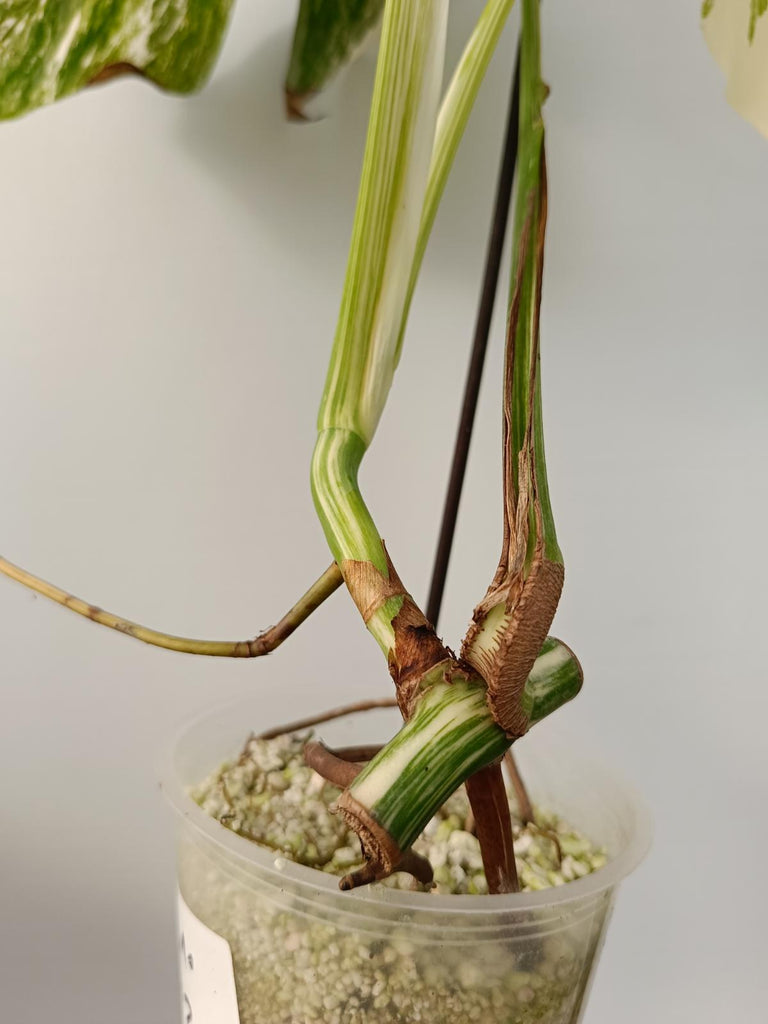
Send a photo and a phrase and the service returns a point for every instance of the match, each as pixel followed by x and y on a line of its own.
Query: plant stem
pixel 449 737
pixel 391 800
pixel 396 209
pixel 264 643
pixel 493 825
pixel 485 790
pixel 511 623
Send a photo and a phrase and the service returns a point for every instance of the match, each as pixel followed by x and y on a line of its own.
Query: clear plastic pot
pixel 267 941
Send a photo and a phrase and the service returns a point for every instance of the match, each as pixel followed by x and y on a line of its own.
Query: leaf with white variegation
pixel 52 49
pixel 737 36
pixel 328 35
pixel 512 621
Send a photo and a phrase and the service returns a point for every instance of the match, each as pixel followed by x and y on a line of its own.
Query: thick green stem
pixel 450 736
pixel 525 420
pixel 404 176
pixel 511 622
pixel 394 178
pixel 453 728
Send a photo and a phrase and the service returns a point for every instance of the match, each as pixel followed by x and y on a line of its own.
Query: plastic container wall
pixel 305 953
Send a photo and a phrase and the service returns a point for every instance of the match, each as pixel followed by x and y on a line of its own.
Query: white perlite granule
pixel 270 796
pixel 302 964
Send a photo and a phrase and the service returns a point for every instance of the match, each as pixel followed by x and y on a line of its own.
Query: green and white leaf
pixel 757 9
pixel 328 35
pixel 392 188
pixel 52 48
pixel 738 41
pixel 394 178
pixel 403 181
pixel 452 119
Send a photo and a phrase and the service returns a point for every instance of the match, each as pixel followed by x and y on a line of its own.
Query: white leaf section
pixel 745 63
pixel 385 331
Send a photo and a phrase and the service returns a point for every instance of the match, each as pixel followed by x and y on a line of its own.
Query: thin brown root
pixel 322 760
pixel 411 862
pixel 363 876
pixel 267 641
pixel 360 754
pixel 469 823
pixel 328 716
pixel 524 805
pixel 548 834
pixel 417 866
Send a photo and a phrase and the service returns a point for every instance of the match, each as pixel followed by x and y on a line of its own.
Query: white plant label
pixel 208 993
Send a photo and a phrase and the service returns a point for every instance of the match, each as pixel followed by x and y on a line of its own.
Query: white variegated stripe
pixel 349 527
pixel 395 168
pixel 451 735
pixel 50 48
pixel 404 233
pixel 550 662
pixel 392 223
pixel 370 786
pixel 419 795
pixel 452 119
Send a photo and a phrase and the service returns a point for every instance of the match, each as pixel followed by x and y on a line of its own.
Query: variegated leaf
pixel 328 33
pixel 52 48
pixel 737 36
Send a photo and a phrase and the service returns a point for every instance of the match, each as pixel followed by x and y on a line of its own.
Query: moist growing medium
pixel 304 965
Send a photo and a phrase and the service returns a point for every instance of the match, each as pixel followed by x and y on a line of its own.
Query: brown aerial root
pixel 328 716
pixel 524 805
pixel 382 855
pixel 493 827
pixel 332 768
pixel 547 833
pixel 411 862
pixel 361 754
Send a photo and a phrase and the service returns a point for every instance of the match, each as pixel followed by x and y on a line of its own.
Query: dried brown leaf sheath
pixel 417 648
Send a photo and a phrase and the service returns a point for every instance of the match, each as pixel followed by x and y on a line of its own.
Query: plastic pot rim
pixel 272 863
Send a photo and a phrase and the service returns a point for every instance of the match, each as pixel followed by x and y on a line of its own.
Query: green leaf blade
pixel 328 33
pixel 51 50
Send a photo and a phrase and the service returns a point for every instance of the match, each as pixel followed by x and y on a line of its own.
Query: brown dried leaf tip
pixel 117 70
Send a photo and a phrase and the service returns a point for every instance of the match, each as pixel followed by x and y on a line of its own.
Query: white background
pixel 170 271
